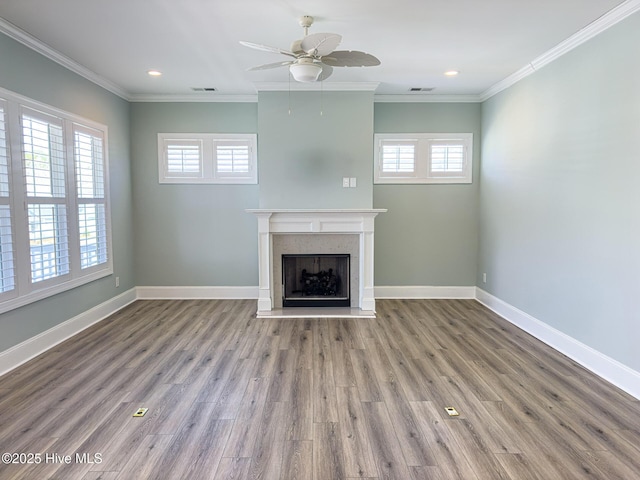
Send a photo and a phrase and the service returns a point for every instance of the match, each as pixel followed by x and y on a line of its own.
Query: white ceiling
pixel 195 43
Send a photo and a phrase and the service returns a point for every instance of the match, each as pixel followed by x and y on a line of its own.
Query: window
pixel 423 158
pixel 7 252
pixel 207 158
pixel 54 220
pixel 92 207
pixel 43 158
pixel 184 158
pixel 399 158
pixel 232 158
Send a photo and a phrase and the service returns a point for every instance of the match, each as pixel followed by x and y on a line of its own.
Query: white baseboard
pixel 34 346
pixel 611 370
pixel 422 292
pixel 206 293
pixel 234 293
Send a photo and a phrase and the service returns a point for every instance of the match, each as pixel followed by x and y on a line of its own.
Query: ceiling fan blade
pixel 326 72
pixel 270 65
pixel 350 58
pixel 320 44
pixel 266 48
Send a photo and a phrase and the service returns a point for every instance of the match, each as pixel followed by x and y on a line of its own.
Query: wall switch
pixel 345 182
pixel 117 282
pixel 352 182
pixel 484 278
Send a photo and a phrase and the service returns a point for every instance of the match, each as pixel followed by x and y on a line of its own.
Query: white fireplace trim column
pixel 348 221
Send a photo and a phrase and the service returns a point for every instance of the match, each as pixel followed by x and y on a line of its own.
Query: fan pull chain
pixel 289 94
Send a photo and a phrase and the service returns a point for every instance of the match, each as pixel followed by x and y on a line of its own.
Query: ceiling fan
pixel 315 55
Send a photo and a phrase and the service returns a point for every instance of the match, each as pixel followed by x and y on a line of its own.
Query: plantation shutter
pixel 183 158
pixel 225 158
pixel 7 249
pixel 447 158
pixel 398 157
pixel 89 159
pixel 232 158
pixel 44 166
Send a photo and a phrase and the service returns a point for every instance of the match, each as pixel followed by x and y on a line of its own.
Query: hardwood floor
pixel 232 397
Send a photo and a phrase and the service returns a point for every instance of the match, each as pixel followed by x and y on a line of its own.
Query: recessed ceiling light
pixel 451 73
pixel 154 73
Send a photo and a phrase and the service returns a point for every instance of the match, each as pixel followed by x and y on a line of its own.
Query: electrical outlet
pixel 484 278
pixel 140 412
pixel 452 411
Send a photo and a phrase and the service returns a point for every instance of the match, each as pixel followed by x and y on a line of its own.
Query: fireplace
pixel 311 280
pixel 315 232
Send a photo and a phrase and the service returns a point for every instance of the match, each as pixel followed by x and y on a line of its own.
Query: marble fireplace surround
pixel 315 231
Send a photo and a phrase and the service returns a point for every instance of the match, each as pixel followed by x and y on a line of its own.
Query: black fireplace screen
pixel 315 280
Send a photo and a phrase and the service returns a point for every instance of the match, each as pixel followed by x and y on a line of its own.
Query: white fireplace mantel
pixel 334 221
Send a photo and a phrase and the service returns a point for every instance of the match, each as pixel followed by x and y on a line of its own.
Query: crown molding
pixel 426 98
pixel 40 47
pixel 596 27
pixel 211 98
pixel 198 98
pixel 316 86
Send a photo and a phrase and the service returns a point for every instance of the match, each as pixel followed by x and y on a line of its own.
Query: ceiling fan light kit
pixel 315 55
pixel 305 71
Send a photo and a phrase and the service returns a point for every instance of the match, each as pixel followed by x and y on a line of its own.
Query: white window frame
pixel 208 172
pixel 28 289
pixel 423 173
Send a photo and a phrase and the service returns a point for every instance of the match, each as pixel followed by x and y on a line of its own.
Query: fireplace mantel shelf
pixel 316 221
pixel 359 221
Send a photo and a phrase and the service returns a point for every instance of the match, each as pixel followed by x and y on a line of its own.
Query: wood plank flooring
pixel 233 397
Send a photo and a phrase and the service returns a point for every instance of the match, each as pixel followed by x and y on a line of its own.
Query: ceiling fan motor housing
pixel 296 47
pixel 306 21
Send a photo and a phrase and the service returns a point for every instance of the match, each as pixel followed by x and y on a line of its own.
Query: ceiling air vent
pixel 421 89
pixel 203 89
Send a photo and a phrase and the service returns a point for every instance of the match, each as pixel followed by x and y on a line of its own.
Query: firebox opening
pixel 315 280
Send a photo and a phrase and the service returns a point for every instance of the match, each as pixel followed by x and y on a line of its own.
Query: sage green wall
pixel 560 194
pixel 429 236
pixel 305 154
pixel 191 235
pixel 28 73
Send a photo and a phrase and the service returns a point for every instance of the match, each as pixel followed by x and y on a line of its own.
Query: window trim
pixel 26 291
pixel 422 173
pixel 208 173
